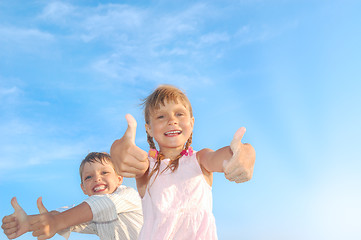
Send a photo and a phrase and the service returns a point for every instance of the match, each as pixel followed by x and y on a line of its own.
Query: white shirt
pixel 115 216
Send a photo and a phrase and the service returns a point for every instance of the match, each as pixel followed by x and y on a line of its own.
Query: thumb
pixel 237 138
pixel 235 146
pixel 41 207
pixel 16 205
pixel 132 128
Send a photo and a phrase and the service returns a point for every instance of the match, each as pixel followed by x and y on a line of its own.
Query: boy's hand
pixel 240 167
pixel 128 159
pixel 17 223
pixel 44 225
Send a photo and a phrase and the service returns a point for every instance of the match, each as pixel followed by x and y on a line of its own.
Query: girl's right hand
pixel 128 159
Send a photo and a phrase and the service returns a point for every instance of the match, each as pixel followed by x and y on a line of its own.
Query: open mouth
pixel 99 188
pixel 173 133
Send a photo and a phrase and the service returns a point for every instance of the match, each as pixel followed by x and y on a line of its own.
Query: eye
pixel 180 114
pixel 87 178
pixel 105 172
pixel 160 116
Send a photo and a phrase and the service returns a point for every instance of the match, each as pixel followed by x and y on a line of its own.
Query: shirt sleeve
pixel 105 208
pixel 87 228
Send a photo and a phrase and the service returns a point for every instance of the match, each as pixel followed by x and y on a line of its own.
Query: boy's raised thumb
pixel 132 128
pixel 41 207
pixel 15 204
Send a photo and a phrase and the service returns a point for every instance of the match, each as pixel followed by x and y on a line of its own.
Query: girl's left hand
pixel 240 167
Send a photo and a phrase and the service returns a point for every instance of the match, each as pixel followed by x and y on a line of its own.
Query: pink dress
pixel 178 205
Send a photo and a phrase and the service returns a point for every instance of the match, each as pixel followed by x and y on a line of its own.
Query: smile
pixel 172 133
pixel 99 188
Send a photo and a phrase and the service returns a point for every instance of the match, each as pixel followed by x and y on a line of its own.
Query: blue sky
pixel 289 71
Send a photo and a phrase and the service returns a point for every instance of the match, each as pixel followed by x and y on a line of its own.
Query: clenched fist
pixel 240 167
pixel 128 159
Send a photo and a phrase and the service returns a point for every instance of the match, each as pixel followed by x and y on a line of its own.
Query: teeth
pixel 99 188
pixel 173 132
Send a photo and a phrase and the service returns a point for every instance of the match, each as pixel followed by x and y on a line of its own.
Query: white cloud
pixel 141 43
pixel 214 38
pixel 39 152
pixel 111 23
pixel 10 94
pixel 8 91
pixel 23 35
pixel 57 11
pixel 120 23
pixel 15 127
pixel 28 40
pixel 263 32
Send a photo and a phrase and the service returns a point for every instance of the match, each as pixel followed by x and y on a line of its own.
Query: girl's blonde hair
pixel 162 95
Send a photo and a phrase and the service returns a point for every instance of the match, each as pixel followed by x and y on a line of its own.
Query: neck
pixel 171 153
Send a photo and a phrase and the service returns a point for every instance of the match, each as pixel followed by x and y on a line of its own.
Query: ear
pixel 83 188
pixel 149 129
pixel 192 122
pixel 120 179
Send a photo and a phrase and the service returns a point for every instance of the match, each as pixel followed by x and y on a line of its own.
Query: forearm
pixel 212 161
pixel 74 216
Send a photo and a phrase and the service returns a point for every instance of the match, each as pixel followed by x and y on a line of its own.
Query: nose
pixel 97 178
pixel 172 120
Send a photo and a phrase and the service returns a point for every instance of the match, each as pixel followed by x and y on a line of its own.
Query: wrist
pixel 59 222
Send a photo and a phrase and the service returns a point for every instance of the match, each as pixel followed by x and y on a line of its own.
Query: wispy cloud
pixel 8 95
pixel 57 12
pixel 8 91
pixel 214 38
pixel 37 151
pixel 19 39
pixel 139 41
pixel 11 94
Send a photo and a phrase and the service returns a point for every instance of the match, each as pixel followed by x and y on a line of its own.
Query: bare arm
pixel 211 160
pixel 46 225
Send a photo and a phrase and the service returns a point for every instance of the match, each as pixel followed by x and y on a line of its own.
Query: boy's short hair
pixel 100 157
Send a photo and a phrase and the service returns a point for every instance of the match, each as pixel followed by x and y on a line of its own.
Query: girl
pixel 175 182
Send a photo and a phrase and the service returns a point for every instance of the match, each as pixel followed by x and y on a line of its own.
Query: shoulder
pixel 125 190
pixel 203 154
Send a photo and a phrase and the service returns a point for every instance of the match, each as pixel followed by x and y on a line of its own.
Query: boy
pixel 112 211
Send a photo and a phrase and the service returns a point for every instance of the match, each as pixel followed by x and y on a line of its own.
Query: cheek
pixel 152 129
pixel 156 129
pixel 189 125
pixel 86 188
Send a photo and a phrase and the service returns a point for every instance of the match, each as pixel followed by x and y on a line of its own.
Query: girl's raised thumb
pixel 132 127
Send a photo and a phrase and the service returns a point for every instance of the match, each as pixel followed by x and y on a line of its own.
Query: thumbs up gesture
pixel 240 167
pixel 44 225
pixel 128 159
pixel 17 223
pixel 40 205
